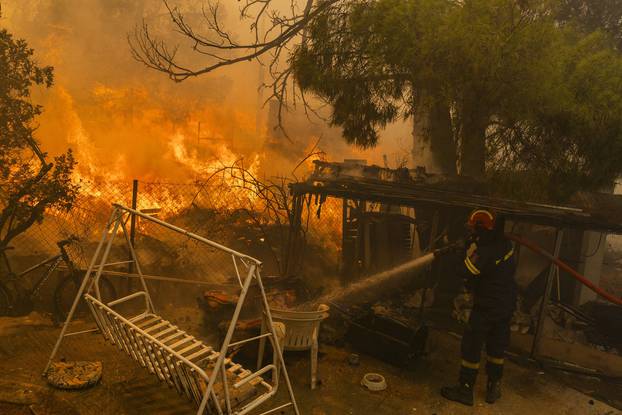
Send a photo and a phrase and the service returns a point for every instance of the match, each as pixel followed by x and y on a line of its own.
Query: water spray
pixel 368 288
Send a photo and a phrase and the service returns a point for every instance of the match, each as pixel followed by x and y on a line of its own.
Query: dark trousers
pixel 493 331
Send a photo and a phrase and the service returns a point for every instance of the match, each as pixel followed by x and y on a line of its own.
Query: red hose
pixel 562 265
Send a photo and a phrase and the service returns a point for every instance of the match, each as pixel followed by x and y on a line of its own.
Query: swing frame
pixel 90 288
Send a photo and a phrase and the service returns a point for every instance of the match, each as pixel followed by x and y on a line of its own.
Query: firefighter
pixel 488 270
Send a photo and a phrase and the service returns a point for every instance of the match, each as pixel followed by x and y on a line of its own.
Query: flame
pixel 124 122
pixel 144 142
pixel 85 151
pixel 188 156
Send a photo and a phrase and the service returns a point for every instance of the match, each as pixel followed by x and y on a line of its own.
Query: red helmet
pixel 481 218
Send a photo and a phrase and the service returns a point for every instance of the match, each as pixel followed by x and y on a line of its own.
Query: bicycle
pixel 17 299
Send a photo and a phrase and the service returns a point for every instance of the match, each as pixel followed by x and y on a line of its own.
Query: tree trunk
pixel 442 141
pixel 473 145
pixel 433 143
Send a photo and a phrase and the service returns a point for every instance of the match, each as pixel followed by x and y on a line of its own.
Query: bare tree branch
pixel 275 33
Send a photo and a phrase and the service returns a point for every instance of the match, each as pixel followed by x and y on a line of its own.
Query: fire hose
pixel 368 285
pixel 562 265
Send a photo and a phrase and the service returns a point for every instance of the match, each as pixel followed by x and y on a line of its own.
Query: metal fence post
pixel 535 347
pixel 132 227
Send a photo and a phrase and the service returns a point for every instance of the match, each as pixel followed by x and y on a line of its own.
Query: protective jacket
pixel 489 268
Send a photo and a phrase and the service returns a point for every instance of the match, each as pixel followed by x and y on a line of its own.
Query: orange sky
pixel 125 121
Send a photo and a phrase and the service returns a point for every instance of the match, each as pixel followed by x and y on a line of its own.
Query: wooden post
pixel 291 261
pixel 344 232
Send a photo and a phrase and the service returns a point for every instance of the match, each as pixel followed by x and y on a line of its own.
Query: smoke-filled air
pixel 124 121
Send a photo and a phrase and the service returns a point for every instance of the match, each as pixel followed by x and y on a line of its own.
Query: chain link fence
pixel 225 208
pixel 322 230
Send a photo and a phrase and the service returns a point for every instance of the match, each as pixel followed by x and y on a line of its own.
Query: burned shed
pixel 378 202
pixel 392 215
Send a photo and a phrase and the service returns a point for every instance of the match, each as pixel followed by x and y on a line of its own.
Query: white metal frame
pixel 126 334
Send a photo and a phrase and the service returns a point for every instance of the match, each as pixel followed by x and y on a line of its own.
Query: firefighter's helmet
pixel 481 218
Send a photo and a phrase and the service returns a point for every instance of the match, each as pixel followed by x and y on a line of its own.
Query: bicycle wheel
pixel 66 291
pixel 5 301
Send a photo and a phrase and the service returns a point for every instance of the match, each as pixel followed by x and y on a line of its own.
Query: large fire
pixel 126 122
pixel 129 136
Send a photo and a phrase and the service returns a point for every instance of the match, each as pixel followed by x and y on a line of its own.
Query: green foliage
pixel 571 138
pixel 18 73
pixel 28 183
pixel 369 59
pixel 593 15
pixel 346 61
pixel 536 102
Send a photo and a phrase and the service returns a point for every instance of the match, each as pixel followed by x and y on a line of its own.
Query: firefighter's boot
pixel 463 393
pixel 493 391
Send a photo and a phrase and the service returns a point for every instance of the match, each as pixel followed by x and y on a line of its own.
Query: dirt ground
pixel 128 389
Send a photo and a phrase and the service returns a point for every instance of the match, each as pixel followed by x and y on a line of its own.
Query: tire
pixel 5 301
pixel 66 291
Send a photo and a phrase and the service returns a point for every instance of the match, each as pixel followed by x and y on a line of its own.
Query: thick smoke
pixel 125 121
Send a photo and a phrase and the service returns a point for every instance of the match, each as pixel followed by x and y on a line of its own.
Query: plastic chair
pixel 301 333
